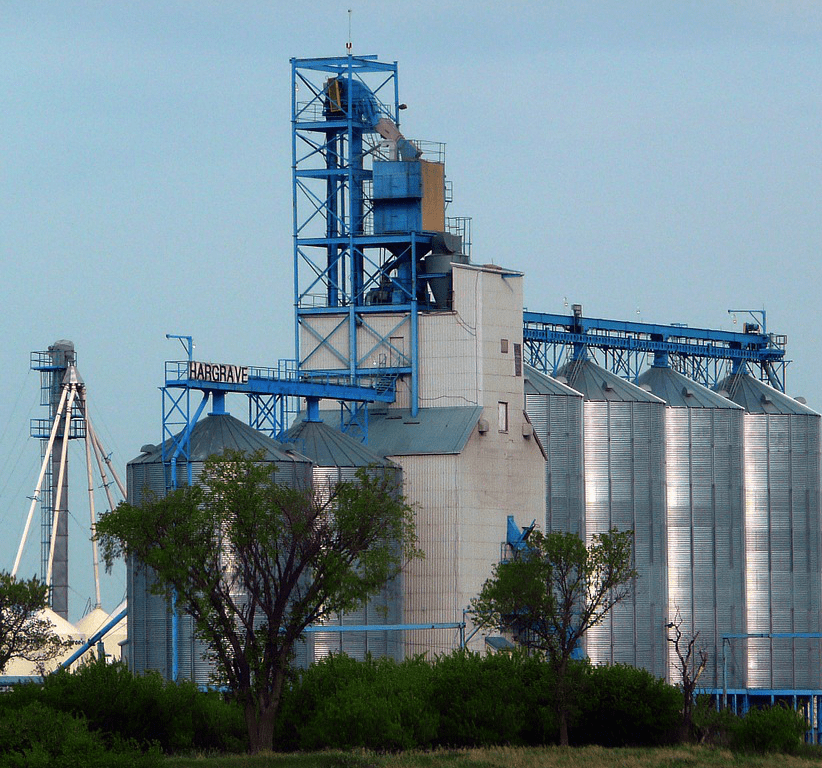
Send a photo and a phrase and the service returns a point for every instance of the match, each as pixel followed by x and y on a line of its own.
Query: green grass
pixel 513 757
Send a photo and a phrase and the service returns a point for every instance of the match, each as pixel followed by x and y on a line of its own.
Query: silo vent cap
pixel 148 448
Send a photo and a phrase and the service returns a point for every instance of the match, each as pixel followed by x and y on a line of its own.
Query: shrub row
pixel 141 710
pixel 464 700
pixel 104 715
pixel 36 736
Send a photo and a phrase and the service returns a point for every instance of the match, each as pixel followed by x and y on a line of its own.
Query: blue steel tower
pixel 371 247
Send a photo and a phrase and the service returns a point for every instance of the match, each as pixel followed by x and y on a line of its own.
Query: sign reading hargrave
pixel 218 373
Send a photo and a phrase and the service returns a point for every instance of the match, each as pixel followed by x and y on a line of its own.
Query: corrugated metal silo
pixel 338 458
pixel 782 533
pixel 555 412
pixel 705 526
pixel 624 451
pixel 150 617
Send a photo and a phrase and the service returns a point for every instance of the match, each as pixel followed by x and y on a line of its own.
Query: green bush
pixel 376 704
pixel 711 725
pixel 35 736
pixel 495 699
pixel 627 706
pixel 306 692
pixel 769 729
pixel 139 708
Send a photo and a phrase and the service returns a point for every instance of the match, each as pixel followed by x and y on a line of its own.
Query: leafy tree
pixel 551 592
pixel 255 562
pixel 24 632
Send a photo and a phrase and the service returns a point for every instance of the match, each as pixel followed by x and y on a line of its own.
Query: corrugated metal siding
pixel 782 543
pixel 383 608
pixel 624 489
pixel 557 422
pixel 705 534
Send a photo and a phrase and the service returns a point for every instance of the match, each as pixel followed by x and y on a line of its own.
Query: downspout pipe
pixel 312 407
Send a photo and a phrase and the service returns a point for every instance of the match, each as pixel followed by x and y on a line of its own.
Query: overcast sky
pixel 654 161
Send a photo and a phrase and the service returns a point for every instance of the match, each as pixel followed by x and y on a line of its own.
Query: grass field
pixel 511 757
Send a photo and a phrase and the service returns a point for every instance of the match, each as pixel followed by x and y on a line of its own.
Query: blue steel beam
pixel 639 344
pixel 596 330
pixel 380 627
pixel 270 381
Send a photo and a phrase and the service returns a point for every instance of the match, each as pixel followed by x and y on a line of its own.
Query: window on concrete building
pixel 503 416
pixel 503 346
pixel 517 359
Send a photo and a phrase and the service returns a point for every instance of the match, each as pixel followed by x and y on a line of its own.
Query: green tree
pixel 552 592
pixel 24 632
pixel 255 562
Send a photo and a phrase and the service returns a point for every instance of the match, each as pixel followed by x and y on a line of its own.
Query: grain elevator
pixel 415 355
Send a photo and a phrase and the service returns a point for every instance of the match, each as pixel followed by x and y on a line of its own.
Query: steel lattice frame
pixel 626 348
pixel 337 261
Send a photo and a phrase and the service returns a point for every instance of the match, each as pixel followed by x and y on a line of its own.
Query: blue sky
pixel 657 161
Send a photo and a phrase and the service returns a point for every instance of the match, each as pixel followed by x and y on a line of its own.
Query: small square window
pixel 503 346
pixel 503 416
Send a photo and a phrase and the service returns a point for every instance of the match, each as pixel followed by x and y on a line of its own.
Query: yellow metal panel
pixel 433 196
pixel 334 96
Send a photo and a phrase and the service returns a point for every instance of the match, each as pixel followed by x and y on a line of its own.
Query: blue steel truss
pixel 273 394
pixel 627 348
pixel 343 272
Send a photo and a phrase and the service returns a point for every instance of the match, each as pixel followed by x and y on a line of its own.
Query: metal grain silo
pixel 705 527
pixel 555 412
pixel 782 533
pixel 338 458
pixel 150 619
pixel 624 453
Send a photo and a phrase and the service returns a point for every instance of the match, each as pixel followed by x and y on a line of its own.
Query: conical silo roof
pixel 328 447
pixel 95 619
pixel 538 383
pixel 597 384
pixel 757 397
pixel 678 391
pixel 220 431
